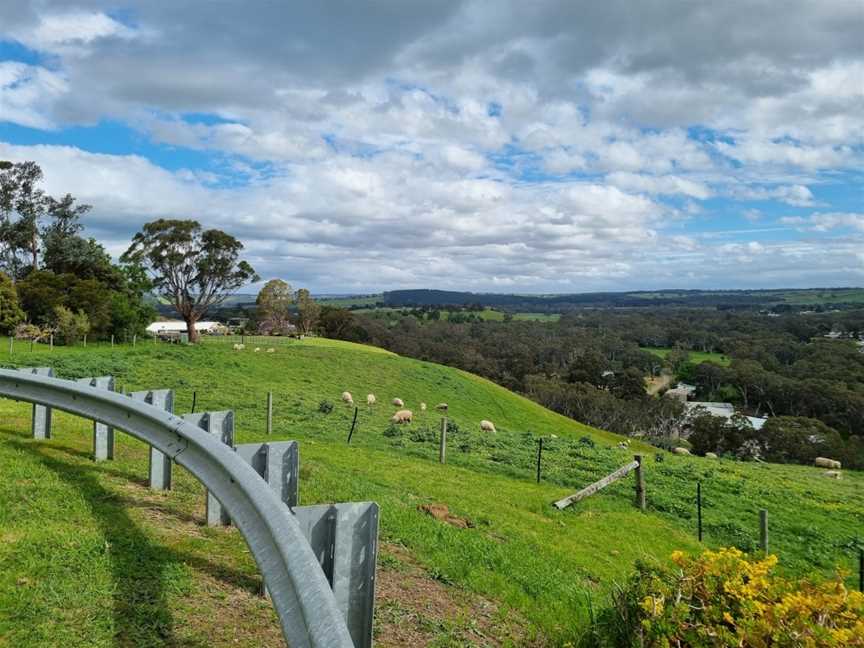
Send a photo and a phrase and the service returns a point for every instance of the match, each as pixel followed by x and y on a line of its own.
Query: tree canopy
pixel 195 269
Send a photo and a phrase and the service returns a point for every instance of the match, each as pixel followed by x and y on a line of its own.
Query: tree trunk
pixel 190 328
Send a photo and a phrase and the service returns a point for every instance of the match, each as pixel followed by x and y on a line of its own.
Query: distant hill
pixel 797 298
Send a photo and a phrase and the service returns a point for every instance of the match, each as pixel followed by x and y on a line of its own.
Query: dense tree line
pixel 591 366
pixel 54 279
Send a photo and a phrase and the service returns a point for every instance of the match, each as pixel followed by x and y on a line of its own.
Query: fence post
pixel 134 339
pixel 51 342
pixel 699 508
pixel 763 530
pixel 442 447
pixel 353 423
pixel 539 457
pixel 85 340
pixel 269 413
pixel 112 341
pixel 640 483
pixel 11 342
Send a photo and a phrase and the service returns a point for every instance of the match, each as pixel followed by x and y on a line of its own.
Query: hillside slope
pixel 90 546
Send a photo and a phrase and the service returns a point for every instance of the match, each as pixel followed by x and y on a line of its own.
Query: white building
pixel 179 326
pixel 723 410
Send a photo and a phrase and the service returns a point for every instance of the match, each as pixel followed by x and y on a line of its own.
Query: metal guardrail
pixel 306 606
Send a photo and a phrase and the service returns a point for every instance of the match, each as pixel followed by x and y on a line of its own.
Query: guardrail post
pixel 103 435
pixel 41 420
pixel 220 424
pixel 344 538
pixel 278 463
pixel 160 463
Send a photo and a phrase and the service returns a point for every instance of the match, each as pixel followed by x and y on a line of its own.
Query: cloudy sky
pixel 502 146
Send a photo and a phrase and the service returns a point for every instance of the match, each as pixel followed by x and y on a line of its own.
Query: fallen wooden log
pixel 623 471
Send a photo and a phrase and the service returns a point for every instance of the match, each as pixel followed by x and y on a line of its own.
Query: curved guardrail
pixel 300 592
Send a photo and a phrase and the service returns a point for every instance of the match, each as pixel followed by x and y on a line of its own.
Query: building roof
pixel 179 325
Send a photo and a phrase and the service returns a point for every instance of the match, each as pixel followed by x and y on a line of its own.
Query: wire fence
pixel 250 340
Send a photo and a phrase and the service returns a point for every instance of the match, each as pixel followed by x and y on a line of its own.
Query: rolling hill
pixel 90 557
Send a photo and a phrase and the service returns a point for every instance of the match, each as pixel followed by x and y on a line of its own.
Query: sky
pixel 358 146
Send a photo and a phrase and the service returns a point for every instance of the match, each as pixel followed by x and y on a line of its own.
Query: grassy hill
pixel 90 557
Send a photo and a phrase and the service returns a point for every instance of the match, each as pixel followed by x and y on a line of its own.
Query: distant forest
pixel 803 371
pixel 776 300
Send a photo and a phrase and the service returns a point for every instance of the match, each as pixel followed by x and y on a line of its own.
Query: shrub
pixel 393 431
pixel 724 598
pixel 71 326
pixel 325 407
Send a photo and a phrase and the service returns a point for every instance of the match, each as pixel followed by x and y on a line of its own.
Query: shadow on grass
pixel 142 570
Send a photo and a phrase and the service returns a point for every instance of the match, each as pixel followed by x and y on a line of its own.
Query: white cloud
pixel 519 145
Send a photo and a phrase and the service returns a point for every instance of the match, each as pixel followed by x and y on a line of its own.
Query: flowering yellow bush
pixel 722 598
pixel 726 599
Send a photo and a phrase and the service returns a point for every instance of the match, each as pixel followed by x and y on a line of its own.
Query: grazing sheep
pixel 680 451
pixel 710 455
pixel 257 349
pixel 824 462
pixel 487 426
pixel 239 347
pixel 402 416
pixel 832 474
pixel 422 407
pixel 347 398
pixel 441 406
pixel 370 399
pixel 397 402
pixel 271 350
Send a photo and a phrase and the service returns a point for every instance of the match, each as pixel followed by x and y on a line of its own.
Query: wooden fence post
pixel 699 508
pixel 539 457
pixel 640 483
pixel 269 413
pixel 442 448
pixel 51 342
pixel 134 339
pixel 11 342
pixel 112 341
pixel 763 530
pixel 85 340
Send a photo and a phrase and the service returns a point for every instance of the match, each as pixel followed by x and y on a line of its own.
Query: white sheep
pixel 397 402
pixel 370 399
pixel 402 416
pixel 824 462
pixel 347 398
pixel 271 350
pixel 257 349
pixel 487 426
pixel 239 347
pixel 710 455
pixel 680 451
pixel 422 407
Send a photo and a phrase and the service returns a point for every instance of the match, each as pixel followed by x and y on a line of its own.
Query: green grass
pixel 89 557
pixel 696 357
